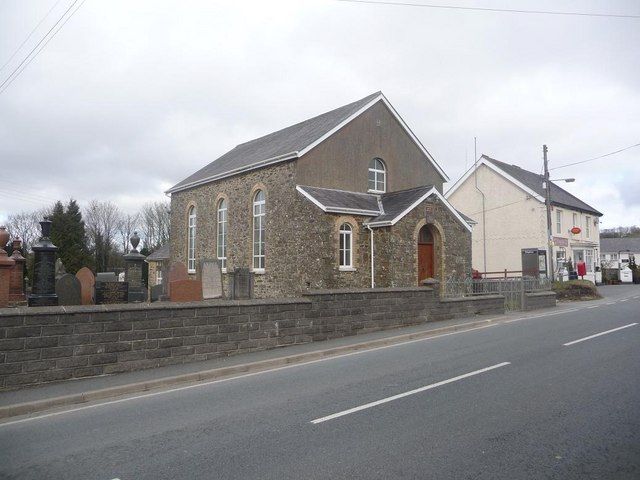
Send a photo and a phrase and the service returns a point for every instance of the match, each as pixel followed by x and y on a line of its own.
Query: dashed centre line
pixel 406 394
pixel 598 335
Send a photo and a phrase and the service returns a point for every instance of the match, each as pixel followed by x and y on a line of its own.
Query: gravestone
pixel 111 292
pixel 186 291
pixel 177 271
pixel 87 282
pixel 211 277
pixel 157 292
pixel 106 277
pixel 133 271
pixel 242 284
pixel 43 291
pixel 60 270
pixel 69 290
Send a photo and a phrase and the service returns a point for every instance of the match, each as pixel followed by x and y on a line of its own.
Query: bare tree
pixel 26 226
pixel 101 221
pixel 155 220
pixel 129 223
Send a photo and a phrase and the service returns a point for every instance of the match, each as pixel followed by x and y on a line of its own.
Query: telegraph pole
pixel 547 202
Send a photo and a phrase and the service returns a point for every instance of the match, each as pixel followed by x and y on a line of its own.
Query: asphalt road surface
pixel 529 399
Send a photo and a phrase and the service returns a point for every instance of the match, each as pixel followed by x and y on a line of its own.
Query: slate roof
pixel 533 181
pixel 162 253
pixel 394 203
pixel 385 209
pixel 620 244
pixel 342 200
pixel 287 141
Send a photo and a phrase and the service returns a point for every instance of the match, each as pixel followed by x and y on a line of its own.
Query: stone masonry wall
pixel 47 344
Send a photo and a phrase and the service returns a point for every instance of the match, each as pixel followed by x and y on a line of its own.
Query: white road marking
pixel 598 334
pixel 237 377
pixel 594 306
pixel 611 303
pixel 624 300
pixel 406 394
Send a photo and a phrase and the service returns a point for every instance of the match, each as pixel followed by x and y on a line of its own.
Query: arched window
pixel 346 246
pixel 259 211
pixel 222 233
pixel 191 241
pixel 377 176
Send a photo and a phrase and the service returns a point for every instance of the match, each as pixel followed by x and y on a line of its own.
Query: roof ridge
pixel 407 190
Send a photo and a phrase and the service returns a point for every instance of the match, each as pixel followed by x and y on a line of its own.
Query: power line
pixel 501 10
pixel 22 65
pixel 29 36
pixel 596 158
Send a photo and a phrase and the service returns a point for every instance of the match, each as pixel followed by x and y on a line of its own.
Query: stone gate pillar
pixel 6 266
pixel 43 292
pixel 134 261
pixel 16 284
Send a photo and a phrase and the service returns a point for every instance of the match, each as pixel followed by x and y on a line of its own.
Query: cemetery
pixel 79 325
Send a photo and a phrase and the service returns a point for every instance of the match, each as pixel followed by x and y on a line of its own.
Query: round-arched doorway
pixel 425 254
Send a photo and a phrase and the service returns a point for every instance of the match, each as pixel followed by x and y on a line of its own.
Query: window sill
pixel 191 272
pixel 258 271
pixel 346 269
pixel 377 192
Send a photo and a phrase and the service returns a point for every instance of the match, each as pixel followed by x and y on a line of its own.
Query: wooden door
pixel 425 261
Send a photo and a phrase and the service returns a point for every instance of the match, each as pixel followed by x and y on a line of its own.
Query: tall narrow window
pixel 558 221
pixel 377 176
pixel 259 211
pixel 575 220
pixel 587 226
pixel 222 234
pixel 191 241
pixel 346 246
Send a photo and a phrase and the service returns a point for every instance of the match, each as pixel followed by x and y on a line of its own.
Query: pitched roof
pixel 559 196
pixel 289 143
pixel 631 244
pixel 386 209
pixel 162 253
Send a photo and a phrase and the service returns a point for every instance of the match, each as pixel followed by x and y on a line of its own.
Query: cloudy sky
pixel 130 97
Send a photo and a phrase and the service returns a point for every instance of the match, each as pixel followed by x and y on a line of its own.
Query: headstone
pixel 177 271
pixel 87 282
pixel 111 292
pixel 106 277
pixel 157 291
pixel 6 267
pixel 43 292
pixel 69 290
pixel 60 270
pixel 186 291
pixel 211 277
pixel 16 281
pixel 242 284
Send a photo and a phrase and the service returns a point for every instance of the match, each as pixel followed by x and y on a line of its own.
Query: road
pixel 519 400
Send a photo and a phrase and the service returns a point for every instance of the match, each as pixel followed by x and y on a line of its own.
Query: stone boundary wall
pixel 48 344
pixel 536 300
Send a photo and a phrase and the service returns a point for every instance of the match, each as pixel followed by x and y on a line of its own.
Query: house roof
pixel 162 253
pixel 530 182
pixel 289 143
pixel 611 245
pixel 385 210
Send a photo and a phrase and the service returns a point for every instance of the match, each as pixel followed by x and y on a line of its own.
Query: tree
pixel 102 219
pixel 128 224
pixel 26 226
pixel 68 234
pixel 155 220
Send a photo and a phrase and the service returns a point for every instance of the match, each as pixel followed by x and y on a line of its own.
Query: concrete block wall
pixel 48 344
pixel 536 300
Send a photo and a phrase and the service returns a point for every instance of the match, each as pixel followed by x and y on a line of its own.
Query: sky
pixel 130 97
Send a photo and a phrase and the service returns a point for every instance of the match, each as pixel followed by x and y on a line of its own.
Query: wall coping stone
pixel 128 307
pixel 466 299
pixel 367 290
pixel 540 294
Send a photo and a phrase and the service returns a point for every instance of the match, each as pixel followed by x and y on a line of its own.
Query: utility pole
pixel 547 202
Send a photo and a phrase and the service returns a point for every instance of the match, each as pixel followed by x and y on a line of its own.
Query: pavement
pixel 77 391
pixel 548 394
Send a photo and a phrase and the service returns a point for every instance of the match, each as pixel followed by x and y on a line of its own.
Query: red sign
pixel 575 230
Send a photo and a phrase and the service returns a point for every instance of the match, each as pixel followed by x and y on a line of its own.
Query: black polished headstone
pixel 157 292
pixel 43 291
pixel 68 290
pixel 112 292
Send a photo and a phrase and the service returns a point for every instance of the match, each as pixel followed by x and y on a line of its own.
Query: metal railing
pixel 512 288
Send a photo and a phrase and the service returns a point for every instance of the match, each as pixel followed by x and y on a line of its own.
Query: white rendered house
pixel 508 204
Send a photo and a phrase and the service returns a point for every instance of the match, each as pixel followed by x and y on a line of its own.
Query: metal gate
pixel 513 288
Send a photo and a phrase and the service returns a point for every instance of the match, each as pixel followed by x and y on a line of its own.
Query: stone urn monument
pixel 44 270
